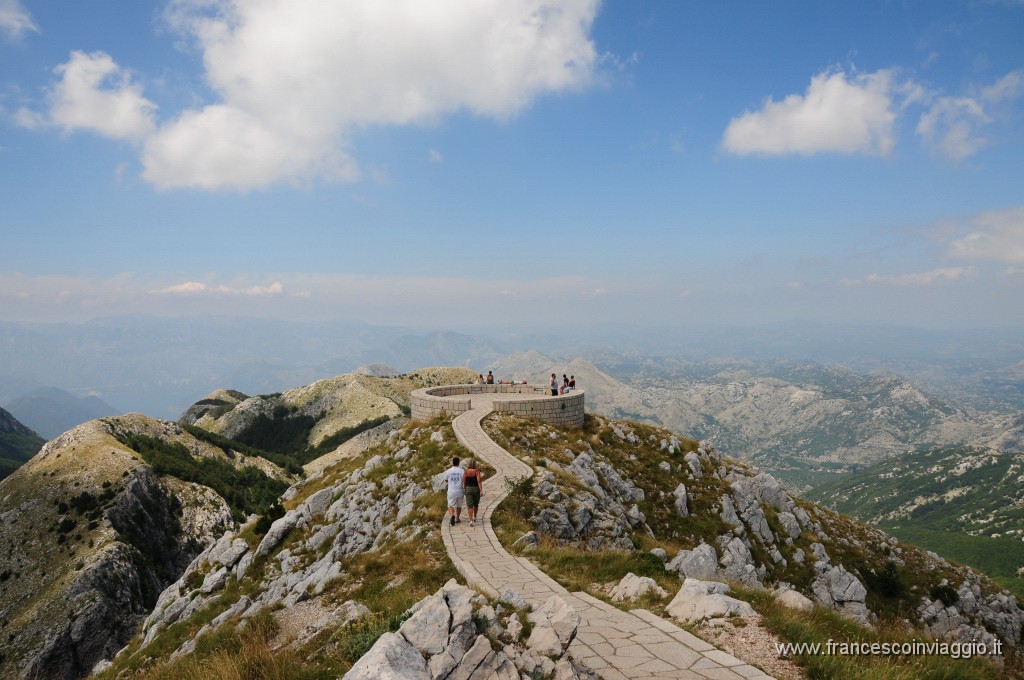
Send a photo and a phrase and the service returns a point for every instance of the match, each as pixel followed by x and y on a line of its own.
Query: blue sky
pixel 448 164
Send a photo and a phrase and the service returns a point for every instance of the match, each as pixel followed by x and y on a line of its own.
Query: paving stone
pixel 722 658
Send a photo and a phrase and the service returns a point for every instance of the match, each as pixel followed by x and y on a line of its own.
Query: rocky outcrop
pixel 968 615
pixel 702 600
pixel 118 535
pixel 444 640
pixel 699 563
pixel 632 587
pixel 838 589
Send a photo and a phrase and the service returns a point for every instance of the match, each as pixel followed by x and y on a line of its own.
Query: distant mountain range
pixel 159 365
pixel 804 422
pixel 51 411
pixel 17 443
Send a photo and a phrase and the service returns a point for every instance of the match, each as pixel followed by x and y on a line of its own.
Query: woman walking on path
pixel 473 487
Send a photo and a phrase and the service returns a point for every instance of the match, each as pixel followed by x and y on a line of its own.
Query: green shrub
pixel 245 489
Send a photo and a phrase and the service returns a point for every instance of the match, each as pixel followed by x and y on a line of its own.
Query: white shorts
pixel 455 499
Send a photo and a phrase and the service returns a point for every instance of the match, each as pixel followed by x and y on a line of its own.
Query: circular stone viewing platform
pixel 528 401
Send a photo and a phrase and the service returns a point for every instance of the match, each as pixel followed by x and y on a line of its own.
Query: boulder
pixel 793 599
pixel 680 504
pixel 702 600
pixel 390 658
pixel 700 563
pixel 840 590
pixel 632 587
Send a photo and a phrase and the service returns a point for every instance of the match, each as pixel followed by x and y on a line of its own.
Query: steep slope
pixel 966 503
pixel 17 443
pixel 96 525
pixel 615 486
pixel 51 411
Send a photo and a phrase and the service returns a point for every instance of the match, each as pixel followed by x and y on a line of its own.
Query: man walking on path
pixel 453 476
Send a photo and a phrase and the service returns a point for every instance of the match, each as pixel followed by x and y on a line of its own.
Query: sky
pixel 545 164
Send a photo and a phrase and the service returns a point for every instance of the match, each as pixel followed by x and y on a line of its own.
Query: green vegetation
pixel 230 446
pixel 246 490
pixel 283 438
pixel 998 557
pixel 963 503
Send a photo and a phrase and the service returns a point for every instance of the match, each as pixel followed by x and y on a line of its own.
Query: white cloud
pixel 94 93
pixel 435 156
pixel 951 127
pixel 994 236
pixel 296 77
pixel 929 278
pixel 14 20
pixel 1008 87
pixel 199 288
pixel 838 113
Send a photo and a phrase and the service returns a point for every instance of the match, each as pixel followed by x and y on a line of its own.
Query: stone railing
pixel 564 409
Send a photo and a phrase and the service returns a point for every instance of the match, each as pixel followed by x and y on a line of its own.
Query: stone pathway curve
pixel 617 644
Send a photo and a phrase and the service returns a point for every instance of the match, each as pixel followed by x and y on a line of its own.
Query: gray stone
pixel 749 508
pixel 693 461
pixel 632 587
pixel 700 563
pixel 729 515
pixel 790 524
pixel 277 532
pixel 840 590
pixel 527 541
pixel 701 600
pixel 427 629
pixel 793 599
pixel 737 562
pixel 680 504
pixel 390 658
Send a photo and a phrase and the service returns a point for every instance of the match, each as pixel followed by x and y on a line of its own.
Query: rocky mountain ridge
pixel 710 518
pixel 356 548
pixel 92 534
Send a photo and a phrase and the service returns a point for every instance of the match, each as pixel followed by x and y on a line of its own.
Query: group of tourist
pixel 568 384
pixel 464 485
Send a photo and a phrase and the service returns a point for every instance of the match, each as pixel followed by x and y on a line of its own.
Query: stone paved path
pixel 615 643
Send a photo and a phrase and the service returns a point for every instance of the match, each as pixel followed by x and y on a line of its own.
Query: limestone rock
pixel 390 658
pixel 840 590
pixel 632 587
pixel 699 563
pixel 793 599
pixel 680 504
pixel 702 600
